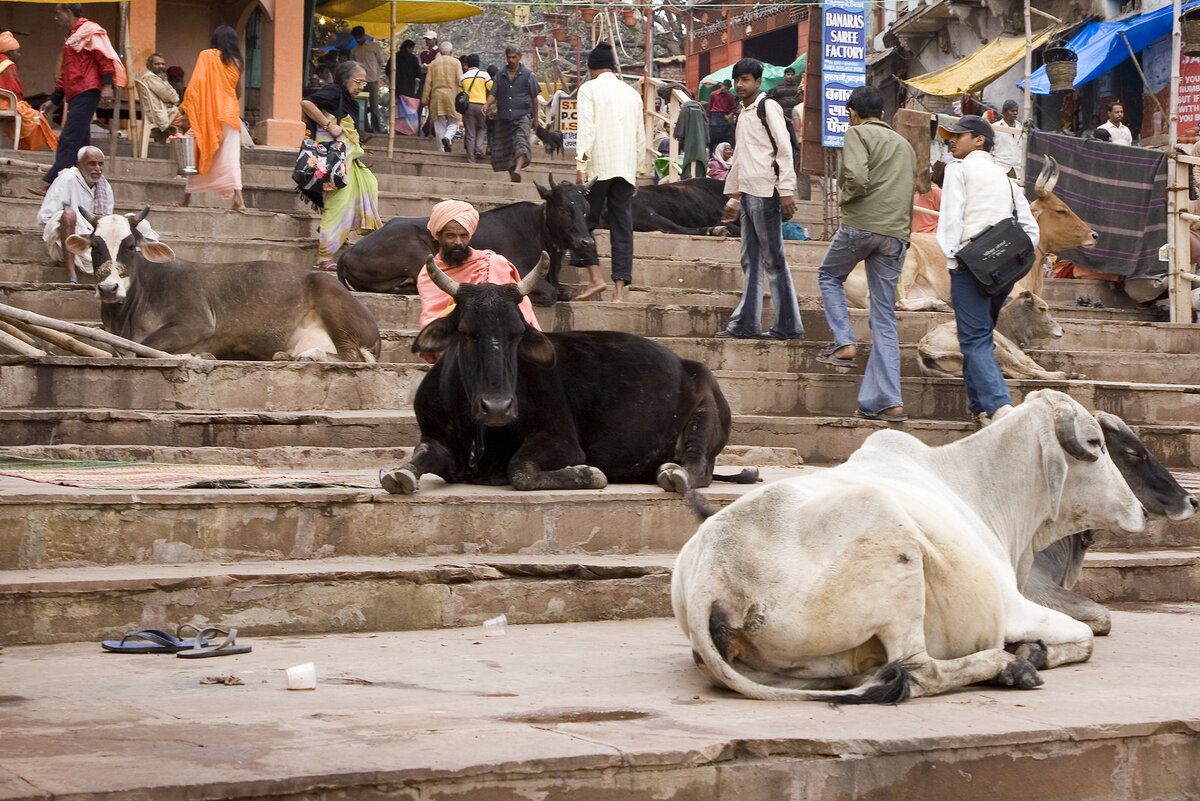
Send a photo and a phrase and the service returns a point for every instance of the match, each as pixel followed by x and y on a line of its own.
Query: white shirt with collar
pixel 1008 148
pixel 610 140
pixel 751 171
pixel 977 193
pixel 1120 134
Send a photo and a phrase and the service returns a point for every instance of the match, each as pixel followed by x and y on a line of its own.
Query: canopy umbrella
pixel 977 70
pixel 772 75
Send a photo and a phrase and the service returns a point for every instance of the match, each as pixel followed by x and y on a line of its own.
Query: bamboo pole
pixel 18 347
pixel 8 328
pixel 61 340
pixel 11 313
pixel 1027 104
pixel 392 84
pixel 1179 266
pixel 1145 83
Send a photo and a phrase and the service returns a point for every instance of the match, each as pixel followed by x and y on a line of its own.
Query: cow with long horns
pixel 507 404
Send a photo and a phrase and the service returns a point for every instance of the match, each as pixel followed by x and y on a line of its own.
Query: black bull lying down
pixel 692 206
pixel 1058 567
pixel 508 404
pixel 389 259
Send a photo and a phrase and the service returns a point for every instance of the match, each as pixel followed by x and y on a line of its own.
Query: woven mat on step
pixel 90 474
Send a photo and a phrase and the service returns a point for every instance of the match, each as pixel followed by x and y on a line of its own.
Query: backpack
pixel 791 130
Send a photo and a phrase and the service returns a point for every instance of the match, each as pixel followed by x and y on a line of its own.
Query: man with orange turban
pixel 452 224
pixel 36 132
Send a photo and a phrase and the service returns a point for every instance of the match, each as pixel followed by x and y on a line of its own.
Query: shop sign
pixel 843 64
pixel 568 120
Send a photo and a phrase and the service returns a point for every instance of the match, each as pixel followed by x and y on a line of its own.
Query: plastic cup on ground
pixel 302 677
pixel 496 626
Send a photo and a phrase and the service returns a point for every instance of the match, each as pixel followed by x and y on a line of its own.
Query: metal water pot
pixel 183 148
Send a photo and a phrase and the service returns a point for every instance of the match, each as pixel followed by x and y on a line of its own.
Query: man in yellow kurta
pixel 441 85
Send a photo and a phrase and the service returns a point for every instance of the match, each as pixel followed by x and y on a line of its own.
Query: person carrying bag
pixel 989 237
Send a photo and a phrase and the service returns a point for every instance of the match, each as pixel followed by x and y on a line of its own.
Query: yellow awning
pixel 978 69
pixel 375 16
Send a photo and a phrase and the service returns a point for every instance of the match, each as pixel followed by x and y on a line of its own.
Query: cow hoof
pixel 1033 652
pixel 281 356
pixel 590 477
pixel 312 355
pixel 400 481
pixel 673 478
pixel 1019 673
pixel 718 230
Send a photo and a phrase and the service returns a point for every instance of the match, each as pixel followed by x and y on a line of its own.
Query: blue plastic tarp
pixel 1100 46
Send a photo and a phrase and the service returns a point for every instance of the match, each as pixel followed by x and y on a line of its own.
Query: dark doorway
pixel 779 47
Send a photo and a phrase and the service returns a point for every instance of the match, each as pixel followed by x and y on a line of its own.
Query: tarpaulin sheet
pixel 978 69
pixel 772 75
pixel 1100 46
pixel 375 16
pixel 1119 191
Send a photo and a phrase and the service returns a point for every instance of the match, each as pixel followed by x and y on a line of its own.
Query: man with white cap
pixel 431 50
pixel 452 223
pixel 441 86
pixel 82 188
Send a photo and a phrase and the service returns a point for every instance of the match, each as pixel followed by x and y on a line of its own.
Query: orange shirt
pixel 210 102
pixel 481 267
pixel 927 223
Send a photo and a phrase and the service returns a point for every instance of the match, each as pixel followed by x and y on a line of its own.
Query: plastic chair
pixel 13 114
pixel 143 150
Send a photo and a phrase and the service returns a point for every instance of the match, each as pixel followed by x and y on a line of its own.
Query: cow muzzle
pixel 496 410
pixel 109 291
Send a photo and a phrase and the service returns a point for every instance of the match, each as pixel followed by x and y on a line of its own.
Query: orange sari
pixel 36 132
pixel 211 102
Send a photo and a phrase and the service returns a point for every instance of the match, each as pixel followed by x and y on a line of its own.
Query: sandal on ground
pixel 228 647
pixel 153 641
pixel 327 266
pixel 883 416
pixel 826 357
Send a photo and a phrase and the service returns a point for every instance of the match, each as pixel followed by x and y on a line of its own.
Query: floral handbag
pixel 320 166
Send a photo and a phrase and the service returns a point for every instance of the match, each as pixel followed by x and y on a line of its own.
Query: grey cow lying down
pixel 253 310
pixel 893 575
pixel 1024 320
pixel 1056 569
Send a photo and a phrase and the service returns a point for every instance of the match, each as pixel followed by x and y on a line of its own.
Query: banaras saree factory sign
pixel 843 64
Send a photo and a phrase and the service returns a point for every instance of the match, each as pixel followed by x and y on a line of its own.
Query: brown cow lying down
pixel 257 310
pixel 1024 320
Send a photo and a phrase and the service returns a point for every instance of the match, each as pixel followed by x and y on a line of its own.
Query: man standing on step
pixel 761 185
pixel 441 85
pixel 90 67
pixel 82 188
pixel 514 102
pixel 610 146
pixel 876 183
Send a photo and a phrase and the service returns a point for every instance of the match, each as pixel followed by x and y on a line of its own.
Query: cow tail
pixel 697 503
pixel 711 640
pixel 748 475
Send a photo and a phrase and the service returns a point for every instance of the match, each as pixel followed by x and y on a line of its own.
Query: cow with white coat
pixel 897 574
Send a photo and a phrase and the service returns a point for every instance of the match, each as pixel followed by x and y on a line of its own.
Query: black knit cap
pixel 602 57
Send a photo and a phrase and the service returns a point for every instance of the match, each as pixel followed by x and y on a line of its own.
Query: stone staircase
pixel 287 565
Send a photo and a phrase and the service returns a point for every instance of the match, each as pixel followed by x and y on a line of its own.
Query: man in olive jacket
pixel 876 183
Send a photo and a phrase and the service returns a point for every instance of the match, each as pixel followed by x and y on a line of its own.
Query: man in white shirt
pixel 1115 126
pixel 369 54
pixel 610 145
pixel 762 187
pixel 82 188
pixel 976 194
pixel 1009 151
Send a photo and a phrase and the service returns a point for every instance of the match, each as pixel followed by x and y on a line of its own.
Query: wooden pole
pixel 1027 104
pixel 19 347
pixel 64 341
pixel 9 328
pixel 1179 250
pixel 392 85
pixel 11 313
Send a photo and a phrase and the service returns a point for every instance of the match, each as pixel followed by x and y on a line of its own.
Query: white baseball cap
pixel 429 34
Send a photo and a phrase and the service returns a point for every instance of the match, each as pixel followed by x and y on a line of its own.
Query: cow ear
pixel 1025 294
pixel 435 337
pixel 157 251
pixel 1054 467
pixel 79 245
pixel 535 347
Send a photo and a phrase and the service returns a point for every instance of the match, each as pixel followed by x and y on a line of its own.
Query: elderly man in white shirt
pixel 1117 131
pixel 610 144
pixel 79 188
pixel 1009 150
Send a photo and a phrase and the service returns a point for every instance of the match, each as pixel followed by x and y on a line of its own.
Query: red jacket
pixel 82 70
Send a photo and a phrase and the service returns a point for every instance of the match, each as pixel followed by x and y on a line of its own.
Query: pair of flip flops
pixel 155 641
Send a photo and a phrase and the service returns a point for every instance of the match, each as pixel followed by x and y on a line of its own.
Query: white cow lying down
pixel 896 574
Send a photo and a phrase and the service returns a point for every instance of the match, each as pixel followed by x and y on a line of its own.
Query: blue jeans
pixel 762 250
pixel 976 312
pixel 884 257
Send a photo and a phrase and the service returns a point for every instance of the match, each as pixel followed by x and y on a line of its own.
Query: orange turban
pixel 8 42
pixel 453 211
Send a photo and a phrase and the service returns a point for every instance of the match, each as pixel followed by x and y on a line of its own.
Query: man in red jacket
pixel 90 67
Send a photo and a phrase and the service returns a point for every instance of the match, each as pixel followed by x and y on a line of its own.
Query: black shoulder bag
pixel 999 255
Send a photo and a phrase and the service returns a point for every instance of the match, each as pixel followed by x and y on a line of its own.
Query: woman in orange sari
pixel 211 105
pixel 36 132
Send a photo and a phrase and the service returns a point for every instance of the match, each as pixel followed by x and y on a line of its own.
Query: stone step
pixel 23 244
pixel 169 384
pixel 1093 329
pixel 584 710
pixel 354 594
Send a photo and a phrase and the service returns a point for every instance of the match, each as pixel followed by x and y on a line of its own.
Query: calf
pixel 1023 320
pixel 253 310
pixel 508 404
pixel 388 260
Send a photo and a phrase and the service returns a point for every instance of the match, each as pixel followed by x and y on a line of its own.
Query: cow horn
pixel 135 219
pixel 530 282
pixel 440 279
pixel 1068 435
pixel 87 215
pixel 1048 177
